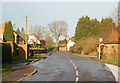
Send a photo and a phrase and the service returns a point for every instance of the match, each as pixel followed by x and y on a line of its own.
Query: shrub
pixel 85 45
pixel 55 48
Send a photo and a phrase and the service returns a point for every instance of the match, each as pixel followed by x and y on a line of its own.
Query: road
pixel 63 66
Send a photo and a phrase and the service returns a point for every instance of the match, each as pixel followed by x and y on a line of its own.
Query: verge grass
pixel 7 68
pixel 112 61
pixel 83 55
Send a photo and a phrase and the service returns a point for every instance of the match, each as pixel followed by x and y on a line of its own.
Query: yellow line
pixel 28 75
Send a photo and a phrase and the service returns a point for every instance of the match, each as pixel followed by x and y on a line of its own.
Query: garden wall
pixel 6 52
pixel 23 51
pixel 110 51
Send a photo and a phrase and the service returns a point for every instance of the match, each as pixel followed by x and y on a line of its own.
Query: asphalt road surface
pixel 63 66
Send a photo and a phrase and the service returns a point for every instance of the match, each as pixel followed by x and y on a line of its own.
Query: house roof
pixel 16 33
pixel 112 42
pixel 72 39
pixel 2 27
pixel 42 41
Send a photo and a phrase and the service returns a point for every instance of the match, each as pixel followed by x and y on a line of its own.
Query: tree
pixel 18 31
pixel 39 30
pixel 8 32
pixel 58 29
pixel 48 41
pixel 14 26
pixel 22 35
pixel 63 41
pixel 107 25
pixel 86 27
pixel 114 15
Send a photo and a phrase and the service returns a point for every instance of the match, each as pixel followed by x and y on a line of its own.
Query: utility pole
pixel 26 29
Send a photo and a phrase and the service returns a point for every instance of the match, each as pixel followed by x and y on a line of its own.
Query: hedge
pixel 6 52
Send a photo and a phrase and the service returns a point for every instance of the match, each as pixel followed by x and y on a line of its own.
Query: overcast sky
pixel 43 13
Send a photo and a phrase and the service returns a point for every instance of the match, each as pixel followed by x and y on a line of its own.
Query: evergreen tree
pixel 23 31
pixel 18 31
pixel 8 32
pixel 86 27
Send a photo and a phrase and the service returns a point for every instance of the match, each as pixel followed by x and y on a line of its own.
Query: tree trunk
pixel 56 42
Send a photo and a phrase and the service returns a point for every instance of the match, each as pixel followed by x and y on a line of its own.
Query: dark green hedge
pixel 6 52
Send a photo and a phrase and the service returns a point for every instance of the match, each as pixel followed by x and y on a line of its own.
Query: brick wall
pixel 110 51
pixel 23 51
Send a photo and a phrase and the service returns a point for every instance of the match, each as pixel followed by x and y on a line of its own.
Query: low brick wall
pixel 110 51
pixel 23 51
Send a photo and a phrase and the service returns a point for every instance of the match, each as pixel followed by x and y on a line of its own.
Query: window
pixel 1 36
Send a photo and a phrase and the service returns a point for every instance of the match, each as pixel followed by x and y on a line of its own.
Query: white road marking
pixel 76 73
pixel 76 80
pixel 75 67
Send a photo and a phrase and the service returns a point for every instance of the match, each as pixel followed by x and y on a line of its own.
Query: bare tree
pixel 39 31
pixel 14 27
pixel 58 29
pixel 114 15
pixel 31 29
pixel 48 41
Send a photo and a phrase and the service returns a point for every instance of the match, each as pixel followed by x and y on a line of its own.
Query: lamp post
pixel 99 47
pixel 26 29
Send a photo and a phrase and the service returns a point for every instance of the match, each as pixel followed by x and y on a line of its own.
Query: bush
pixel 85 46
pixel 6 52
pixel 55 48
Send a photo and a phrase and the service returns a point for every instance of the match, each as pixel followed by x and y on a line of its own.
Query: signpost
pixel 99 47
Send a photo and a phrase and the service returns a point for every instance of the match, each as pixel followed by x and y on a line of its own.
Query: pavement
pixel 22 70
pixel 63 66
pixel 115 70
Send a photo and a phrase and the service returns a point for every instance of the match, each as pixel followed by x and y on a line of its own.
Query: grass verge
pixel 16 58
pixel 40 54
pixel 7 68
pixel 83 55
pixel 112 61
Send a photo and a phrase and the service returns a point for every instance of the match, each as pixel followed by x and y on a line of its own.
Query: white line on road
pixel 76 73
pixel 75 69
pixel 76 80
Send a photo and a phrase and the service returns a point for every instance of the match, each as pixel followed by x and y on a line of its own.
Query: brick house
pixel 2 32
pixel 32 38
pixel 62 47
pixel 70 43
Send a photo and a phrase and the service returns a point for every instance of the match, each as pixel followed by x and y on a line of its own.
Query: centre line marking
pixel 76 80
pixel 76 73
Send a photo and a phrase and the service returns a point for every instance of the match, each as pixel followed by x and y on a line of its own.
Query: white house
pixel 70 43
pixel 33 38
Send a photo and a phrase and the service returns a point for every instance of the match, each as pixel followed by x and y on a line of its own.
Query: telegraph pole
pixel 26 29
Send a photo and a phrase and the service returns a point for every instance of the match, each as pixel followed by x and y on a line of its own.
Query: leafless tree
pixel 58 29
pixel 39 31
pixel 114 15
pixel 48 41
pixel 31 29
pixel 14 27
